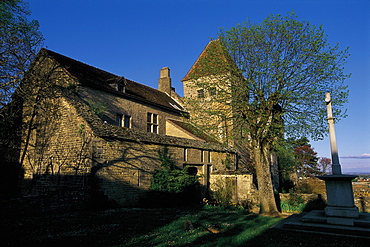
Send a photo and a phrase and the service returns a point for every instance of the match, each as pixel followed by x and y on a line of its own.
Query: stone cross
pixel 336 168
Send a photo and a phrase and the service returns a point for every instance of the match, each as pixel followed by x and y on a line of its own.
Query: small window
pixel 185 154
pixel 119 118
pixel 121 87
pixel 212 91
pixel 123 120
pixel 200 93
pixel 152 122
pixel 127 122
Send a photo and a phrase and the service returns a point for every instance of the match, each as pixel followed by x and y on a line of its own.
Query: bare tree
pixel 20 40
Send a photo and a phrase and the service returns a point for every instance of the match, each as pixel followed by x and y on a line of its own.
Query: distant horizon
pixel 355 165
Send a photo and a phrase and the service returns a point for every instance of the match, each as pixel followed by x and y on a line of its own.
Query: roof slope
pixel 191 129
pixel 213 60
pixel 96 78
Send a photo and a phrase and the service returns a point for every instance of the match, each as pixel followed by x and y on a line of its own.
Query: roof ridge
pixel 48 51
pixel 198 58
pixel 91 76
pixel 216 56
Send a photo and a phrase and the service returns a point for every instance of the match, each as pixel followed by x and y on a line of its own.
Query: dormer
pixel 119 83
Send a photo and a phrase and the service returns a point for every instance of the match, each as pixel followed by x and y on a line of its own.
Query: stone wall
pixel 124 168
pixel 73 151
pixel 239 185
pixel 111 104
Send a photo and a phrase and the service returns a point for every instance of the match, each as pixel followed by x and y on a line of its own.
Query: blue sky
pixel 136 38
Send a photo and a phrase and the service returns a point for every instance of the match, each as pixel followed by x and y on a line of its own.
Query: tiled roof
pixel 192 130
pixel 93 77
pixel 213 60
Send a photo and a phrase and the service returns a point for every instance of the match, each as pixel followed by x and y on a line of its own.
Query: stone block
pixel 342 212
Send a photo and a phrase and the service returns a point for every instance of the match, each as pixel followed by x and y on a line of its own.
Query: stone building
pixel 208 96
pixel 85 128
pixel 210 87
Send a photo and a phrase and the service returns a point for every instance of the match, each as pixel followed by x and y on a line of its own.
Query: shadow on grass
pixel 208 228
pixel 228 228
pixel 284 238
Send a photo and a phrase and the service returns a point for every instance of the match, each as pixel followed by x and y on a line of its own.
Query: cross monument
pixel 339 191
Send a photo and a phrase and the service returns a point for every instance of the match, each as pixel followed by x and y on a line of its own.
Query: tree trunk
pixel 264 180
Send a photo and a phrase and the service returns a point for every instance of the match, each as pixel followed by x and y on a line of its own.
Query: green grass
pixel 26 224
pixel 230 228
pixel 289 208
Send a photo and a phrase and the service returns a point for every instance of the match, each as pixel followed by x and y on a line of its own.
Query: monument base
pixel 317 221
pixel 342 212
pixel 321 217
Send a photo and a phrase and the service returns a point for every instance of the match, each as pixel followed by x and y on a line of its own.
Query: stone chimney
pixel 164 81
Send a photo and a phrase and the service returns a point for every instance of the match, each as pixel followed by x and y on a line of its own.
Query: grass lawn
pixel 155 227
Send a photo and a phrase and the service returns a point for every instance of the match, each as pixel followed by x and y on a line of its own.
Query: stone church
pixel 85 128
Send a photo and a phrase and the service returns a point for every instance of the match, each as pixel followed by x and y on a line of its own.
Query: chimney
pixel 164 81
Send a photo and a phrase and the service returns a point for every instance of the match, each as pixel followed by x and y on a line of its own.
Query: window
pixel 185 154
pixel 200 93
pixel 121 88
pixel 212 91
pixel 123 120
pixel 127 121
pixel 152 122
pixel 119 118
pixel 202 156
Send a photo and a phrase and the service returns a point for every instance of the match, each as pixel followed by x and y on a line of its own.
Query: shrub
pixel 311 186
pixel 171 185
pixel 295 203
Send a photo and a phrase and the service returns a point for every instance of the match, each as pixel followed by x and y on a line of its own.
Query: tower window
pixel 200 93
pixel 212 91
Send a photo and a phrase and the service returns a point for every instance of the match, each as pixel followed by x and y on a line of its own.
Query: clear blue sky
pixel 136 38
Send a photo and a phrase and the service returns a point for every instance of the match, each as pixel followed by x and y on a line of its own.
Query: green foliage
pixel 227 162
pixel 71 86
pixel 222 192
pixel 98 108
pixel 287 163
pixel 81 130
pixel 212 227
pixel 20 40
pixel 288 65
pixel 166 162
pixel 296 159
pixel 295 203
pixel 173 181
pixel 169 179
pixel 289 208
pixel 284 67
